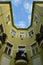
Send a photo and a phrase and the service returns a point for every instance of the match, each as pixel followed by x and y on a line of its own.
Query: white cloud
pixel 29 19
pixel 16 2
pixel 21 24
pixel 28 7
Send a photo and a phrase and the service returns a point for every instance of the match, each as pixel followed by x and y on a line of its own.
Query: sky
pixel 22 11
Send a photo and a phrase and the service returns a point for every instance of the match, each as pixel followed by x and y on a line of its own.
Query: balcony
pixel 2 34
pixel 3 38
pixel 21 58
pixel 1 28
pixel 39 36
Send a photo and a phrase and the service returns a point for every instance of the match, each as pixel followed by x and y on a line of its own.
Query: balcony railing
pixel 21 56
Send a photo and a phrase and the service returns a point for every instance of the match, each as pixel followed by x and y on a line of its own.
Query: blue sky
pixel 22 10
pixel 22 13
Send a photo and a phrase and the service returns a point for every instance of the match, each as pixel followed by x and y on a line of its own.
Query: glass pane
pixel 6 49
pixel 9 51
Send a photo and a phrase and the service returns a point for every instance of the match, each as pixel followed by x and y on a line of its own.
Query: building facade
pixel 21 46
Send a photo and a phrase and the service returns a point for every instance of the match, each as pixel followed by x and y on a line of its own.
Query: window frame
pixel 22 34
pixel 30 33
pixel 34 43
pixel 8 19
pixel 35 20
pixel 13 32
pixel 8 49
pixel 21 48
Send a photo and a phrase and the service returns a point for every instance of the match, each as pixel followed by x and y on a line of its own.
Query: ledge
pixel 21 62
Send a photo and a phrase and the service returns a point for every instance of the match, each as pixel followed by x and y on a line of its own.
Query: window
pixel 22 35
pixel 13 33
pixel 8 48
pixel 8 19
pixel 31 33
pixel 21 48
pixel 35 20
pixel 1 28
pixel 34 49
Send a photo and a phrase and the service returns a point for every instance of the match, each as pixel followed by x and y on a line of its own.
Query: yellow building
pixel 20 46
